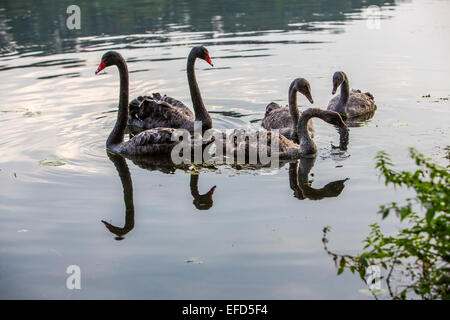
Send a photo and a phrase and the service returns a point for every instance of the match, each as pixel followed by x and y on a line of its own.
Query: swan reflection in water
pixel 360 121
pixel 300 184
pixel 298 179
pixel 127 185
pixel 201 201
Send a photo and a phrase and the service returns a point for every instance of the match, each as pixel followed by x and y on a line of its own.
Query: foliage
pixel 416 260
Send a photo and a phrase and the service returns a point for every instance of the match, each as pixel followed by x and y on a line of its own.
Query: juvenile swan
pixel 284 118
pixel 287 148
pixel 350 104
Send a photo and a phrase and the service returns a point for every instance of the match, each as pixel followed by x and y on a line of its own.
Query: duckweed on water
pixel 399 124
pixel 52 162
pixel 194 261
pixel 32 114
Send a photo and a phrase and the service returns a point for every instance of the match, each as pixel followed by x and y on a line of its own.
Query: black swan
pixel 152 142
pixel 281 118
pixel 163 111
pixel 287 149
pixel 350 104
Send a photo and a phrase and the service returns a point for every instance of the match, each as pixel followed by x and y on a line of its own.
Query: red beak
pixel 212 190
pixel 101 66
pixel 208 59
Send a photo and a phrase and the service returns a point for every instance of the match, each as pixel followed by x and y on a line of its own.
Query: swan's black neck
pixel 116 135
pixel 345 94
pixel 293 109
pixel 201 114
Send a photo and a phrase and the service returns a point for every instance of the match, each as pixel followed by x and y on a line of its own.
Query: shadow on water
pixel 201 201
pixel 40 27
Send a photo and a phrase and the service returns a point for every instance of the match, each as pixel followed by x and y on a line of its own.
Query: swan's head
pixel 334 118
pixel 108 59
pixel 202 53
pixel 302 85
pixel 338 78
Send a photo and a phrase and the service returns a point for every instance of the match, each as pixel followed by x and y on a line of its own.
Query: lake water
pixel 259 235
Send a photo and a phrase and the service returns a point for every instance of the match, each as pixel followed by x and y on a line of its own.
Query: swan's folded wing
pixel 175 103
pixel 360 103
pixel 160 113
pixel 272 106
pixel 267 116
pixel 135 106
pixel 156 141
pixel 261 139
pixel 154 136
pixel 136 102
pixel 278 118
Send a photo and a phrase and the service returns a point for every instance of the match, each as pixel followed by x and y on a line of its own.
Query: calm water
pixel 256 236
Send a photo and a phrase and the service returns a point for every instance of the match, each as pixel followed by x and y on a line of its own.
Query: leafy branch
pixel 418 256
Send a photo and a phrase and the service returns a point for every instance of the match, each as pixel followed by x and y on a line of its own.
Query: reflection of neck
pixel 304 168
pixel 116 135
pixel 127 185
pixel 332 189
pixel 345 94
pixel 293 181
pixel 201 114
pixel 194 186
pixel 293 109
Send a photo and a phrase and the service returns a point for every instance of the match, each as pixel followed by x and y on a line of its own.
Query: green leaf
pixel 429 216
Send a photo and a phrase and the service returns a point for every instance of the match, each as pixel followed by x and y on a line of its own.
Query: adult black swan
pixel 163 111
pixel 152 142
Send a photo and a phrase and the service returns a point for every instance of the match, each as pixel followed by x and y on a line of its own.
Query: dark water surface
pixel 259 234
